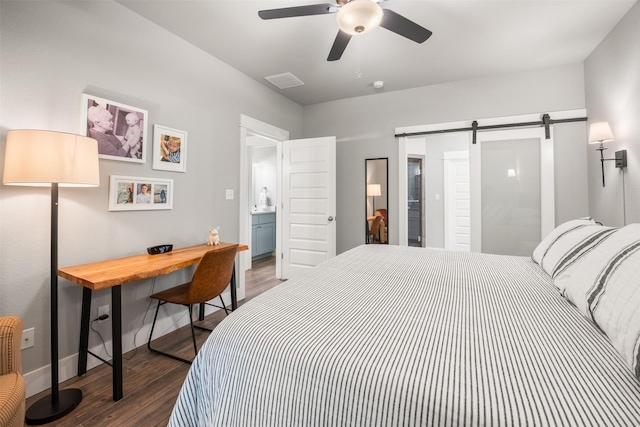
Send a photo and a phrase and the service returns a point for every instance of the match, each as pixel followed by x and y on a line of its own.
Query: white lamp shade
pixel 359 16
pixel 373 190
pixel 600 132
pixel 39 158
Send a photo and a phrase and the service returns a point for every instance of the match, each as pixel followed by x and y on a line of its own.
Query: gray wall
pixel 612 87
pixel 51 52
pixel 365 127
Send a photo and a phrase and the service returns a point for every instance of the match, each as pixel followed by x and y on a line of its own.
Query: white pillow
pixel 564 240
pixel 572 245
pixel 605 286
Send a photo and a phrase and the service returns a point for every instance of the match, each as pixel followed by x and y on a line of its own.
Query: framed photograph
pixel 169 149
pixel 130 193
pixel 121 130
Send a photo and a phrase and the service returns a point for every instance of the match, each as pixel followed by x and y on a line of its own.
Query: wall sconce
pixel 599 133
pixel 511 173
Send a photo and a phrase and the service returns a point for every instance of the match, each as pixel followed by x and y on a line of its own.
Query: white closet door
pixel 512 190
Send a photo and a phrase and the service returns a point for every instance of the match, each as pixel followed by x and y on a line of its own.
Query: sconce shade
pixel 40 158
pixel 359 16
pixel 373 190
pixel 511 173
pixel 599 133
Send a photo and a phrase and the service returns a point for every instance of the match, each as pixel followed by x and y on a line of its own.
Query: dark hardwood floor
pixel 151 381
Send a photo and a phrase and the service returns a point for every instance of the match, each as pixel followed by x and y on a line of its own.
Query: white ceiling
pixel 470 39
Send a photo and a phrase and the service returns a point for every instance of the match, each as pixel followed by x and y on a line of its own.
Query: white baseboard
pixel 40 379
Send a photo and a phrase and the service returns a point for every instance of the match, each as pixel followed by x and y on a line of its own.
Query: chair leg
pixel 153 325
pixel 193 332
pixel 224 306
pixel 162 352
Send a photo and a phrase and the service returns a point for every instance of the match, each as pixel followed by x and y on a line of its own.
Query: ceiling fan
pixel 354 17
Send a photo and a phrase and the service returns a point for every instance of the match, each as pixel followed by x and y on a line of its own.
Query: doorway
pixel 305 197
pixel 415 199
pixel 257 134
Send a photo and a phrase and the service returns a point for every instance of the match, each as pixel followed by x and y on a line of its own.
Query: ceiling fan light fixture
pixel 359 16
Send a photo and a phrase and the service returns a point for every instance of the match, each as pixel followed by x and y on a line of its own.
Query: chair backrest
pixel 212 274
pixel 382 212
pixel 375 225
pixel 10 338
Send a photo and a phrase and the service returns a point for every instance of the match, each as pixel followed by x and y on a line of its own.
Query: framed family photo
pixel 130 193
pixel 169 149
pixel 121 130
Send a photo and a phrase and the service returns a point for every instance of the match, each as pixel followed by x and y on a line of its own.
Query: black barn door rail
pixel 546 122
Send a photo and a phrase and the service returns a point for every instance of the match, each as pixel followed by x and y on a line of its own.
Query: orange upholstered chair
pixel 374 231
pixel 384 225
pixel 12 388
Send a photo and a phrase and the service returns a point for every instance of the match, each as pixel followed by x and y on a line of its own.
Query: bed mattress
pixel 396 336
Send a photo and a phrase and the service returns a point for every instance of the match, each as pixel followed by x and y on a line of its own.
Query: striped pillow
pixel 605 286
pixel 567 243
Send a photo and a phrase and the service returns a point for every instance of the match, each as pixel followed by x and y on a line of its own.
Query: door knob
pixel 330 218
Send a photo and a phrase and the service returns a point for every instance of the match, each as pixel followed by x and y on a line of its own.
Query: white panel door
pixel 308 204
pixel 457 208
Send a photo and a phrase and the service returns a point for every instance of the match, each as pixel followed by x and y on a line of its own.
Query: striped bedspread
pixel 395 336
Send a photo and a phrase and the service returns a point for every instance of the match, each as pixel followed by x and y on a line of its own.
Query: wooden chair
pixel 210 279
pixel 374 236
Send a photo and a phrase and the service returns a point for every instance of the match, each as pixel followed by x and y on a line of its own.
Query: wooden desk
pixel 116 272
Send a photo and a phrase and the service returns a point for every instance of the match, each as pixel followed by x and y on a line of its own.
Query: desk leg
pixel 116 336
pixel 201 311
pixel 84 331
pixel 234 297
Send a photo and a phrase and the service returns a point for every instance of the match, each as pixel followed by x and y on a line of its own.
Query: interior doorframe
pixel 423 195
pixel 439 127
pixel 271 135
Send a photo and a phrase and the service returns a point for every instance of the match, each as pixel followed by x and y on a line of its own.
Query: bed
pixel 398 336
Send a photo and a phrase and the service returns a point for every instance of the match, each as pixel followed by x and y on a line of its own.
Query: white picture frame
pixel 127 193
pixel 126 140
pixel 169 149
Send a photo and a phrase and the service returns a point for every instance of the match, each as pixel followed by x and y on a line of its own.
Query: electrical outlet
pixel 229 195
pixel 27 338
pixel 103 310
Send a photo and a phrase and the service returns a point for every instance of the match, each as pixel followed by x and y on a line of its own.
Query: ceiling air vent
pixel 284 80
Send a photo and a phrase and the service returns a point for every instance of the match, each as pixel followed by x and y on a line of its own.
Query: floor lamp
pixel 46 158
pixel 374 191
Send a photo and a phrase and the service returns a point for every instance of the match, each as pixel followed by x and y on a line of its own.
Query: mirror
pixel 377 200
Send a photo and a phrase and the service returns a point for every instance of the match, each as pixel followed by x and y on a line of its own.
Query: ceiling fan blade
pixel 339 45
pixel 403 26
pixel 290 12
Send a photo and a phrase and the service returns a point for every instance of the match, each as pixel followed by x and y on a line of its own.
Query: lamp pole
pixel 59 404
pixel 35 158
